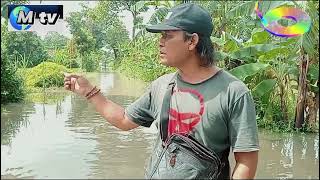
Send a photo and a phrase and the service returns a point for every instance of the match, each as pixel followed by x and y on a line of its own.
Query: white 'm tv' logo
pixel 44 18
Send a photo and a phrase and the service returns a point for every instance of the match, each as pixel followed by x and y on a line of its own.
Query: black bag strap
pixel 164 114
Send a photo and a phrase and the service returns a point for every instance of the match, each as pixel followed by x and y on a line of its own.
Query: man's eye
pixel 168 36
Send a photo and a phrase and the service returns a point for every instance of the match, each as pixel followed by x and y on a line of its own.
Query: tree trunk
pixel 313 106
pixel 302 90
pixel 105 64
pixel 134 28
pixel 134 15
pixel 283 103
pixel 312 103
pixel 316 109
pixel 115 52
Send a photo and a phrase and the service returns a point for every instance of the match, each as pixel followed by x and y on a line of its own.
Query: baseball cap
pixel 188 17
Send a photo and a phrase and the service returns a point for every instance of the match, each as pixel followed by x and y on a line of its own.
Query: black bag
pixel 181 155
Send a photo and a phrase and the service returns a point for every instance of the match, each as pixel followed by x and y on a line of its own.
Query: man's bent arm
pixel 112 112
pixel 246 165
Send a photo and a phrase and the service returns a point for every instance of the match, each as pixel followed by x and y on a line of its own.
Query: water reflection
pixel 316 148
pixel 288 156
pixel 106 81
pixel 68 139
pixel 14 116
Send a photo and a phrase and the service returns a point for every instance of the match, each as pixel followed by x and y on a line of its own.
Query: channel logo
pixel 34 17
pixel 270 21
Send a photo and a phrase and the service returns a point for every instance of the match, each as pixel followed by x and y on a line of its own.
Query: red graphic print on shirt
pixel 183 122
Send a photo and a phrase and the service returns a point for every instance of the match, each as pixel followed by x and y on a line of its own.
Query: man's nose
pixel 161 42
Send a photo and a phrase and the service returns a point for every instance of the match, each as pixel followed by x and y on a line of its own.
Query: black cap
pixel 188 17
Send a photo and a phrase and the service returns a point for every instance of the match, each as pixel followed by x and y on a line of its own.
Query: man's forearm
pixel 241 171
pixel 246 165
pixel 111 111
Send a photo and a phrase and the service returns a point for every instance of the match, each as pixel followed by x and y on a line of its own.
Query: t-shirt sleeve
pixel 243 130
pixel 140 111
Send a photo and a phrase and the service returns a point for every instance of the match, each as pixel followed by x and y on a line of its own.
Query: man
pixel 208 102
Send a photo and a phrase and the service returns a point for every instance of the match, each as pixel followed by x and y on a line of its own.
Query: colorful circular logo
pixel 271 18
pixel 14 17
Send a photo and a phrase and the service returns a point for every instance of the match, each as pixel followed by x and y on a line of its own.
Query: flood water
pixel 59 135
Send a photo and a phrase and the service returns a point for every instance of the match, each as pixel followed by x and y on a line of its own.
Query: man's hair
pixel 204 49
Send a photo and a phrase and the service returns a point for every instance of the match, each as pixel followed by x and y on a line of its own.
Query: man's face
pixel 173 49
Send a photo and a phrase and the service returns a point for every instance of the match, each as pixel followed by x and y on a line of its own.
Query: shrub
pixel 62 57
pixel 12 87
pixel 46 74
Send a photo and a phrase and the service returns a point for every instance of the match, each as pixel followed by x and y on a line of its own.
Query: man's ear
pixel 193 41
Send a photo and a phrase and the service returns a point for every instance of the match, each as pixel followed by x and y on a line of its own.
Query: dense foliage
pixel 12 86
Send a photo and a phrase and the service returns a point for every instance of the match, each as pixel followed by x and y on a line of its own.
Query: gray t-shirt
pixel 219 112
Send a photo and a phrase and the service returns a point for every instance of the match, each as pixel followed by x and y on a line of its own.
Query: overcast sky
pixel 72 6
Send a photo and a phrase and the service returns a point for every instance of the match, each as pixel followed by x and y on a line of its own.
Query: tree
pixel 108 27
pixel 81 32
pixel 26 48
pixel 98 28
pixel 308 45
pixel 54 40
pixel 12 89
pixel 135 8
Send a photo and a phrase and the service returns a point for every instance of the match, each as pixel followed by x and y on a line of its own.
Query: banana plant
pixel 260 66
pixel 280 79
pixel 308 46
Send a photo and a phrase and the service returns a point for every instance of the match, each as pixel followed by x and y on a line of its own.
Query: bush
pixel 46 74
pixel 62 57
pixel 12 87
